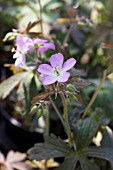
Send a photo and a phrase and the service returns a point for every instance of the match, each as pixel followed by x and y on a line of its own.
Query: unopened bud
pixel 70 88
pixel 34 109
pixel 39 113
pixel 45 112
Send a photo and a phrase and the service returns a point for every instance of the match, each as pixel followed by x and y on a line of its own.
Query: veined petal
pixel 45 47
pixel 29 44
pixel 49 46
pixel 47 80
pixel 19 40
pixel 41 49
pixel 20 61
pixel 57 60
pixel 45 69
pixel 40 41
pixel 64 77
pixel 68 64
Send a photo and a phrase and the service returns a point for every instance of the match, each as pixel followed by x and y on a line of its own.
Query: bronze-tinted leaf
pixel 107 46
pixel 78 83
pixel 41 96
pixel 34 34
pixel 71 11
pixel 31 25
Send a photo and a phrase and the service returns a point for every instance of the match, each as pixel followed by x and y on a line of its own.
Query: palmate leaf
pixel 86 164
pixel 99 152
pixel 85 130
pixel 52 147
pixel 107 140
pixel 78 83
pixel 69 163
pixel 9 84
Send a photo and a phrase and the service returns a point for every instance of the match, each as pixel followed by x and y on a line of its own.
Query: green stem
pixel 57 111
pixel 47 123
pixel 30 58
pixel 95 94
pixel 68 130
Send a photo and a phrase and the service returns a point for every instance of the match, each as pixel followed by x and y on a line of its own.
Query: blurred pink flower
pixel 57 71
pixel 43 45
pixel 13 161
pixel 26 44
pixel 23 46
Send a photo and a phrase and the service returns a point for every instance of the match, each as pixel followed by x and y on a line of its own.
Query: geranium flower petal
pixel 64 77
pixel 40 41
pixel 20 61
pixel 45 69
pixel 19 40
pixel 45 47
pixel 41 49
pixel 28 44
pixel 57 60
pixel 47 80
pixel 68 64
pixel 49 46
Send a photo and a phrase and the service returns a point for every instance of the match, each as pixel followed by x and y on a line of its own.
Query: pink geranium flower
pixel 23 46
pixel 43 45
pixel 57 71
pixel 26 44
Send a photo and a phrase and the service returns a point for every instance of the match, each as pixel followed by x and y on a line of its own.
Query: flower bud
pixel 70 88
pixel 34 109
pixel 39 113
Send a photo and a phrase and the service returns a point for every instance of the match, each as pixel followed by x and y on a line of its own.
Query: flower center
pixel 57 70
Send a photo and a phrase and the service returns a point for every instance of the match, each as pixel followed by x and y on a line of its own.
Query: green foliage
pixel 83 38
pixel 107 140
pixel 104 98
pixel 9 84
pixel 85 130
pixel 53 147
pixel 99 152
pixel 86 164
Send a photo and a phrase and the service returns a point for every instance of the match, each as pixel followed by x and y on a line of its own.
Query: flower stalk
pixel 47 123
pixel 67 126
pixel 57 111
pixel 95 94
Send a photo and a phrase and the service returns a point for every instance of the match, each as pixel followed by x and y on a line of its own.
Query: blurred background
pixel 78 29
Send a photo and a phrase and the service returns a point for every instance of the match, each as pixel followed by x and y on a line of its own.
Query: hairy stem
pixel 68 130
pixel 57 111
pixel 47 123
pixel 95 94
